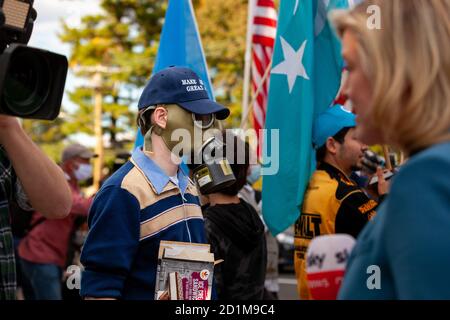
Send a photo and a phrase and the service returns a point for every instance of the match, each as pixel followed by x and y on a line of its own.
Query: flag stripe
pixel 265 22
pixel 265 41
pixel 267 12
pixel 258 66
pixel 266 58
pixel 256 77
pixel 259 118
pixel 265 3
pixel 258 51
pixel 264 33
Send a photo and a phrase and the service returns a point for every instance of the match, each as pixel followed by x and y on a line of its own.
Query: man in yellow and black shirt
pixel 333 203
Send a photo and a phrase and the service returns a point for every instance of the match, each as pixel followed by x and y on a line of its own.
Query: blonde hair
pixel 407 62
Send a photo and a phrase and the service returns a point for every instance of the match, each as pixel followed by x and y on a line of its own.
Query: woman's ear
pixel 159 117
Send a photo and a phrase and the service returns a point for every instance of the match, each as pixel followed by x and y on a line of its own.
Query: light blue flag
pixel 180 45
pixel 305 78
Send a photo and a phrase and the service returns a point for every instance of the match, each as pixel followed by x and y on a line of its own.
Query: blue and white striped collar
pixel 157 177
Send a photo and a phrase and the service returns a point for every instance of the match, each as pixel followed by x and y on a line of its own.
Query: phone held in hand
pixel 387 175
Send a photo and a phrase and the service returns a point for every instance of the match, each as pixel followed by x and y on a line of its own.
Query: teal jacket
pixel 404 252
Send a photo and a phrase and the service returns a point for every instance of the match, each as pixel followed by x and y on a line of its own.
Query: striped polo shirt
pixel 134 210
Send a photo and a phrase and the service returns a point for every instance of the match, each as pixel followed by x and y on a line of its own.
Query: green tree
pixel 223 27
pixel 125 36
pixel 47 134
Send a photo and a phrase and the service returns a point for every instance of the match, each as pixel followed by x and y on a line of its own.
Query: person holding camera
pixel 333 203
pixel 30 178
pixel 150 198
pixel 399 85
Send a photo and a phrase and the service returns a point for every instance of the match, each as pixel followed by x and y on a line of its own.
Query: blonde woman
pixel 399 84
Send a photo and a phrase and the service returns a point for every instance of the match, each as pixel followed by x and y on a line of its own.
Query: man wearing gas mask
pixel 151 198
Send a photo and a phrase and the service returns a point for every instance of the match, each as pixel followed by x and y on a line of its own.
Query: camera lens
pixel 27 83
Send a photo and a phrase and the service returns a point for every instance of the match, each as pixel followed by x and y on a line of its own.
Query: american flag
pixel 263 40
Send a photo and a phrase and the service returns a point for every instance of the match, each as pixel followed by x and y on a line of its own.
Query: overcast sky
pixel 45 36
pixel 50 13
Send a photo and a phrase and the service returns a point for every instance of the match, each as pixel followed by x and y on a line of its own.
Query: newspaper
pixel 185 271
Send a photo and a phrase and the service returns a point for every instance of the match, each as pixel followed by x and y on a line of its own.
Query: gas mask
pixel 197 137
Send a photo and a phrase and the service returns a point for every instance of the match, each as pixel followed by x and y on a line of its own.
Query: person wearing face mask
pixel 43 251
pixel 151 198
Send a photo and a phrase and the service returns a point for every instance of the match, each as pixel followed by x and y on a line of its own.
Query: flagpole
pixel 255 96
pixel 248 61
pixel 387 157
pixel 197 31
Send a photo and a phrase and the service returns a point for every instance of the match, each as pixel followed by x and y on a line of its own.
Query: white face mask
pixel 255 173
pixel 83 172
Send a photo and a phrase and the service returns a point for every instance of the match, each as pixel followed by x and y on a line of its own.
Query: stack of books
pixel 185 271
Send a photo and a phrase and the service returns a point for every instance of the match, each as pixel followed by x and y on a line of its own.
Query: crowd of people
pixel 399 88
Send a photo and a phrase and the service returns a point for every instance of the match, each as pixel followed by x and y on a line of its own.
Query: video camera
pixel 31 80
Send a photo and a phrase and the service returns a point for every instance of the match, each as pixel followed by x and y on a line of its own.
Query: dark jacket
pixel 236 235
pixel 333 204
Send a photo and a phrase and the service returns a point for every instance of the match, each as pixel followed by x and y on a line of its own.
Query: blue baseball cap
pixel 330 122
pixel 181 86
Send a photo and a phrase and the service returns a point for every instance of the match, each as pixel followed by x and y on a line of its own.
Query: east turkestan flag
pixel 305 79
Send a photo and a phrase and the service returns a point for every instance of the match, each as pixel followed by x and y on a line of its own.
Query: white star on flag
pixel 292 66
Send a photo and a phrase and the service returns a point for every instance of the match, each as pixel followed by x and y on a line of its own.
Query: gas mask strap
pixel 148 137
pixel 154 128
pixel 148 140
